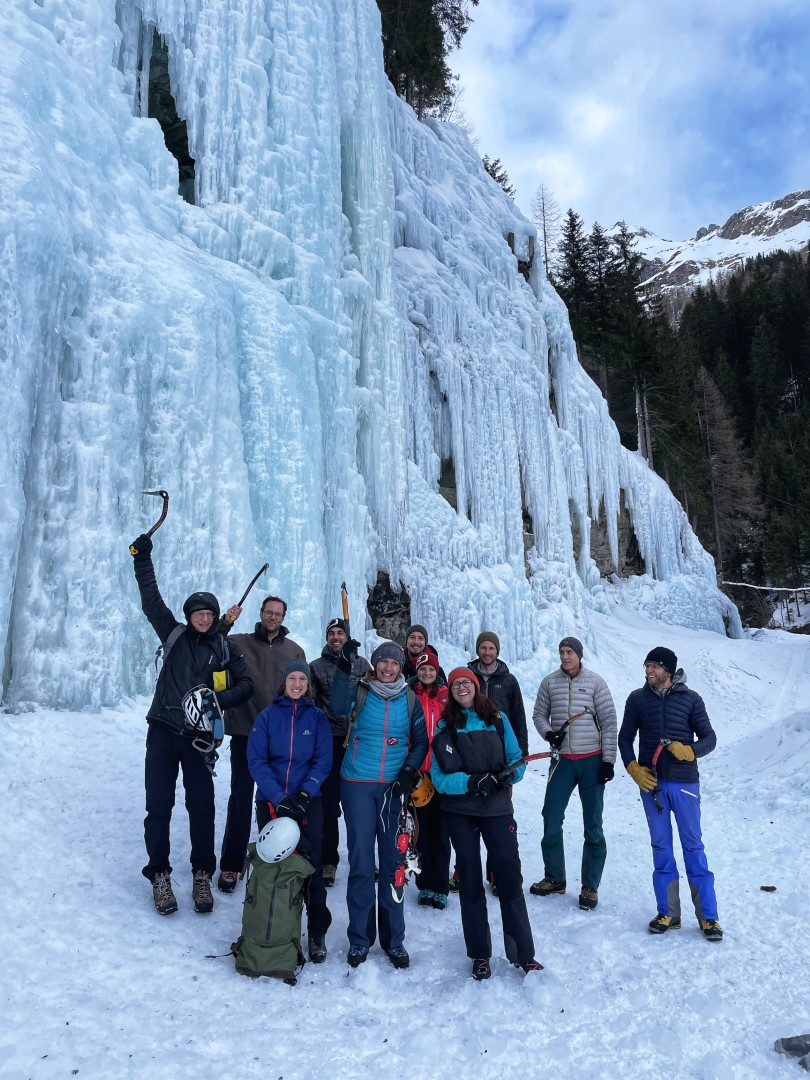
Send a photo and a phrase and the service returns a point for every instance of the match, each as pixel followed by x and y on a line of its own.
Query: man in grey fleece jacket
pixel 575 714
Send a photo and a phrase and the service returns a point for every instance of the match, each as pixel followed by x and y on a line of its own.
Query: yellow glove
pixel 681 751
pixel 642 776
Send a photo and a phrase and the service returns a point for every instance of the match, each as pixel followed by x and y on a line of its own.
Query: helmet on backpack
pixel 423 792
pixel 278 839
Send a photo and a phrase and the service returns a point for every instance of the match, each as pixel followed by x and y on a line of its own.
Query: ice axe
pixel 232 618
pixel 344 596
pixel 165 496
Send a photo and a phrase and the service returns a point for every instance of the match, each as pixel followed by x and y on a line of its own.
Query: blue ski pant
pixel 683 802
pixel 571 773
pixel 371 815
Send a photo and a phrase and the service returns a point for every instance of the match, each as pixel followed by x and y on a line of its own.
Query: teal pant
pixel 582 773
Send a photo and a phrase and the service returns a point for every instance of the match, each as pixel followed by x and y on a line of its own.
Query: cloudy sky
pixel 668 113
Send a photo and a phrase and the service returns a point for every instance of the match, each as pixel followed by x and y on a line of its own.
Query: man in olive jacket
pixel 267 651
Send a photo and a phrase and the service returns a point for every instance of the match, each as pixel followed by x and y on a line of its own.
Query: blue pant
pixel 682 800
pixel 371 816
pixel 570 773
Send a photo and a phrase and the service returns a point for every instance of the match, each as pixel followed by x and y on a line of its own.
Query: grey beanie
pixel 417 628
pixel 295 665
pixel 389 650
pixel 572 643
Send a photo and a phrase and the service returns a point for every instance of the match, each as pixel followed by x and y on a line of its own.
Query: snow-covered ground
pixel 95 984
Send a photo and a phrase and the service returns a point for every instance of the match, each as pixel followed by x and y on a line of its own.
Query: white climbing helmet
pixel 278 839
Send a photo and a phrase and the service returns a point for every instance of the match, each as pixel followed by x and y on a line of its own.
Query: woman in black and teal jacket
pixel 386 744
pixel 471 749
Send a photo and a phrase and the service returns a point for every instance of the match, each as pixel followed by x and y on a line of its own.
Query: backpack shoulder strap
pixel 359 702
pixel 163 650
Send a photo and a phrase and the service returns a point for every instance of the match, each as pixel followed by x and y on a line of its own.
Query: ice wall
pixel 291 357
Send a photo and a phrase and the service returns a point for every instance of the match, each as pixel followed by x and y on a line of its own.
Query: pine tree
pixel 499 174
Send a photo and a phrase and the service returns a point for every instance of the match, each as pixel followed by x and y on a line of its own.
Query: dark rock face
pixel 390 610
pixel 162 107
pixel 630 560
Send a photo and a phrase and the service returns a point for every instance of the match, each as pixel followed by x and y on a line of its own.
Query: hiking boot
pixel 531 965
pixel 399 956
pixel 425 898
pixel 452 885
pixel 329 873
pixel 439 901
pixel 317 949
pixel 165 900
pixel 356 955
pixel 661 923
pixel 226 882
pixel 547 887
pixel 711 928
pixel 493 887
pixel 588 898
pixel 201 892
pixel 481 970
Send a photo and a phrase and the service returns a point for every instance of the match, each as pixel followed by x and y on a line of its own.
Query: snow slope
pixel 96 985
pixel 292 358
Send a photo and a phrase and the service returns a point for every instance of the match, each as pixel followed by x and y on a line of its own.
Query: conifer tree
pixel 546 216
pixel 499 174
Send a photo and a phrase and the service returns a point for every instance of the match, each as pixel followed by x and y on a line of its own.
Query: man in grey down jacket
pixel 574 713
pixel 267 651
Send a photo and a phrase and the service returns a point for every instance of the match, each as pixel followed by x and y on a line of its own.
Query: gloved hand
pixel 403 785
pixel 642 776
pixel 681 751
pixel 482 783
pixel 294 806
pixel 606 772
pixel 347 653
pixel 555 738
pixel 141 545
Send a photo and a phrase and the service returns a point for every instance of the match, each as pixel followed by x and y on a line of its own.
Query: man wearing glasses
pixel 267 651
pixel 674 730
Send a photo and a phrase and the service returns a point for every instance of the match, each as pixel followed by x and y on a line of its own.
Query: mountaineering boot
pixel 711 928
pixel 356 956
pixel 452 884
pixel 588 898
pixel 165 900
pixel 201 892
pixel 425 898
pixel 399 956
pixel 439 901
pixel 481 970
pixel 532 965
pixel 661 923
pixel 317 949
pixel 226 882
pixel 547 887
pixel 329 873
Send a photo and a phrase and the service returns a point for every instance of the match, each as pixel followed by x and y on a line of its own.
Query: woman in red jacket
pixel 433 842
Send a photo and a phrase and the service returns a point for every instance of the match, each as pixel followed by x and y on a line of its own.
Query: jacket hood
pixel 260 632
pixel 678 683
pixel 500 668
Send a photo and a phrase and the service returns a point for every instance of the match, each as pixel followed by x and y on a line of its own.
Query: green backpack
pixel 270 942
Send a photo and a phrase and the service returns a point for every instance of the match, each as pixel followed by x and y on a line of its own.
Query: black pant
pixel 240 808
pixel 319 917
pixel 500 838
pixel 330 793
pixel 433 845
pixel 166 753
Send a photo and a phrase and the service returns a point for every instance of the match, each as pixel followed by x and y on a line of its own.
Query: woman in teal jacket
pixel 385 746
pixel 472 748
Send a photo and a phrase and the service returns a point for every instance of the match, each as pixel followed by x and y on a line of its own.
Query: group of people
pixel 344 736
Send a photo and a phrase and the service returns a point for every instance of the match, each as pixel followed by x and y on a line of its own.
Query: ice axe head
pixel 165 496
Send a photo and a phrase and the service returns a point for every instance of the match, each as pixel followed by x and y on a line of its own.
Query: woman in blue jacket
pixel 289 755
pixel 385 746
pixel 471 749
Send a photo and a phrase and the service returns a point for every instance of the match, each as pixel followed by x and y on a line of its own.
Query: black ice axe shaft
pixel 254 579
pixel 165 496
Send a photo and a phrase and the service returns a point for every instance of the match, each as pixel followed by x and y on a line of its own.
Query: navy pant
pixel 319 917
pixel 682 801
pixel 570 773
pixel 330 793
pixel 240 809
pixel 433 845
pixel 166 753
pixel 372 815
pixel 500 838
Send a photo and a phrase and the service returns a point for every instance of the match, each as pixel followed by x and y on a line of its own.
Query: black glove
pixel 294 806
pixel 555 738
pixel 605 772
pixel 142 545
pixel 403 785
pixel 482 783
pixel 347 653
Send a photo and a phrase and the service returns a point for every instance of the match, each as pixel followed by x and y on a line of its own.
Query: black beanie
pixel 339 624
pixel 665 657
pixel 201 601
pixel 572 643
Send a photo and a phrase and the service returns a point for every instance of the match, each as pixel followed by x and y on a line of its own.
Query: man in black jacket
pixel 322 673
pixel 500 685
pixel 673 731
pixel 195 655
